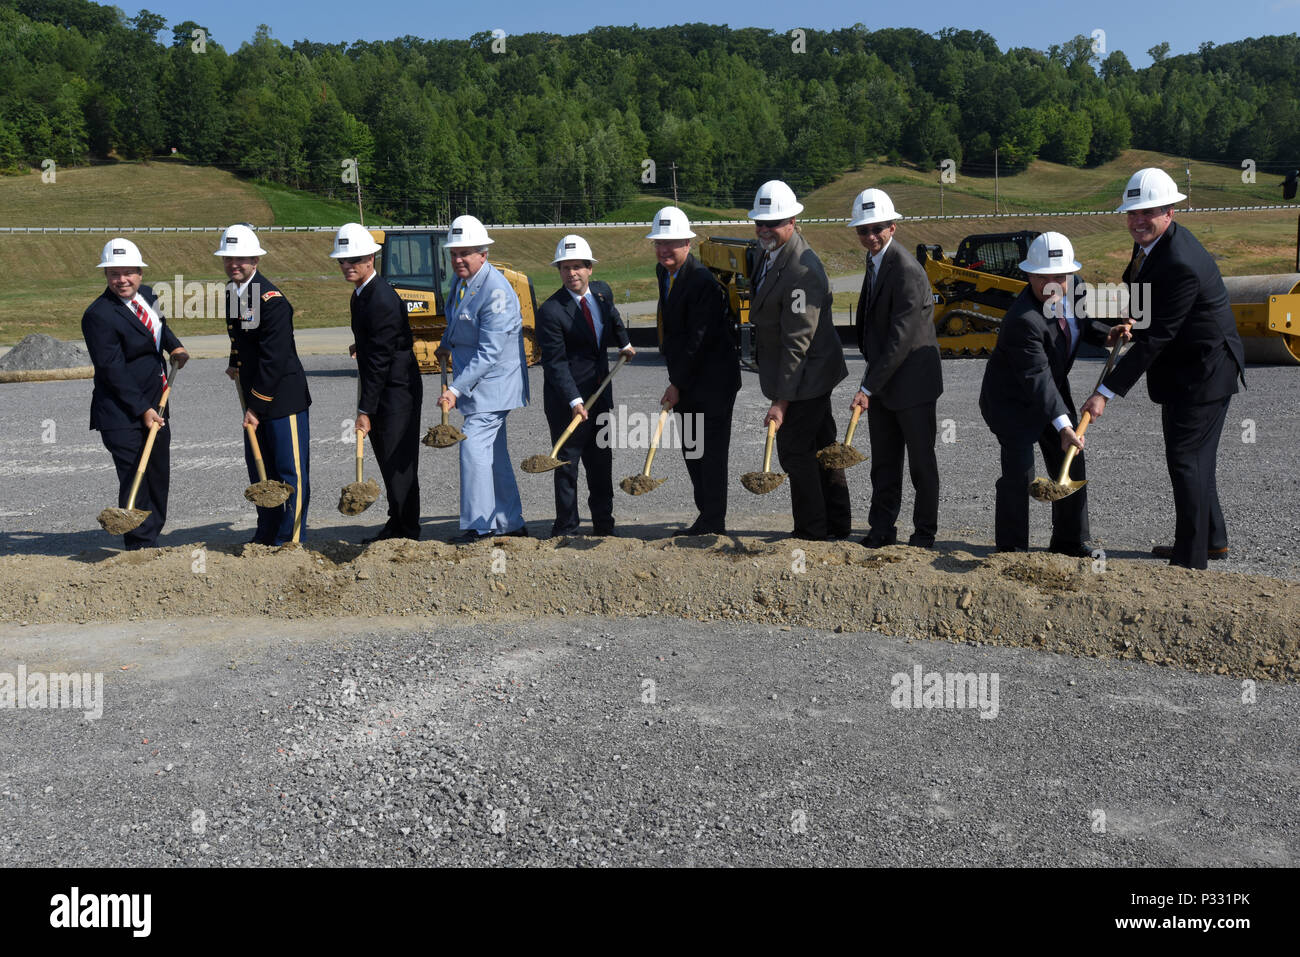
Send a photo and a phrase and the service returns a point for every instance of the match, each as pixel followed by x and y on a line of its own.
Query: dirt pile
pixel 39 351
pixel 1202 621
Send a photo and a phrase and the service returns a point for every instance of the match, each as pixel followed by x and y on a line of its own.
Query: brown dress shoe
pixel 1167 552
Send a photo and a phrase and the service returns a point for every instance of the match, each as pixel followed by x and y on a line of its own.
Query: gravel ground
pixel 590 742
pixel 59 476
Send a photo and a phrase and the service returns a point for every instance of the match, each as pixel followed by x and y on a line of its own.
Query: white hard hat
pixel 1149 188
pixel 872 206
pixel 239 240
pixel 775 200
pixel 466 231
pixel 1050 254
pixel 352 240
pixel 572 246
pixel 120 252
pixel 670 223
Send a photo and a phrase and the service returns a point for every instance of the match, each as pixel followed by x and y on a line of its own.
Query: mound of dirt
pixel 40 352
pixel 1201 621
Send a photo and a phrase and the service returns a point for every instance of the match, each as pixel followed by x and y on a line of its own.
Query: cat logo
pixel 417 305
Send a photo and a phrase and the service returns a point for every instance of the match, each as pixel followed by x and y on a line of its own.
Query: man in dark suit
pixel 1025 397
pixel 388 409
pixel 703 364
pixel 1188 346
pixel 904 377
pixel 575 328
pixel 264 364
pixel 126 335
pixel 800 361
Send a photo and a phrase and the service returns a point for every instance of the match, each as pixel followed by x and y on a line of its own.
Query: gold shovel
pixel 640 484
pixel 359 495
pixel 444 435
pixel 263 493
pixel 545 463
pixel 119 521
pixel 842 455
pixel 1044 489
pixel 760 483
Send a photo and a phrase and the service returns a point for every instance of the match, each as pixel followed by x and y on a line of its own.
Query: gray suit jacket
pixel 799 351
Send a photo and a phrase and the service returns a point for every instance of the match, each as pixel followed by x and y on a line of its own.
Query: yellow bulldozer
pixel 416 264
pixel 973 289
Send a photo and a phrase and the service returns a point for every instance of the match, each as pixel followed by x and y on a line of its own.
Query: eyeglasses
pixel 770 223
pixel 352 260
pixel 874 230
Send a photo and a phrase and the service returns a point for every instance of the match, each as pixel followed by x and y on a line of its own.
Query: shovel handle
pixel 361 451
pixel 444 358
pixel 144 462
pixel 767 452
pixel 564 436
pixel 257 452
pixel 853 425
pixel 1069 455
pixel 654 443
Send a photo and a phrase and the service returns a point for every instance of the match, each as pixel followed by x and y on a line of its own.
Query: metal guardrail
pixel 640 224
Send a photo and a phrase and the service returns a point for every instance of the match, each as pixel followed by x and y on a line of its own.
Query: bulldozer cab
pixel 416 265
pixel 999 254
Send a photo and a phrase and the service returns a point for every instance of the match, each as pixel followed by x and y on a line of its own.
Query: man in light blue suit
pixel 485 335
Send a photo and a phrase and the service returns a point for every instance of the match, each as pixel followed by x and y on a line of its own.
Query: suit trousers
pixel 598 460
pixel 894 432
pixel 285 444
pixel 395 438
pixel 706 449
pixel 819 498
pixel 489 494
pixel 1011 511
pixel 125 445
pixel 1192 435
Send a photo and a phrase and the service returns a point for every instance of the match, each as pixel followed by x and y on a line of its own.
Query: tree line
pixel 544 128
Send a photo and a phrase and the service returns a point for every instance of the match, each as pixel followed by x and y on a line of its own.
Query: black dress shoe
pixel 921 541
pixel 562 532
pixel 604 531
pixel 467 537
pixel 1073 549
pixel 1167 552
pixel 520 532
pixel 879 541
pixel 698 529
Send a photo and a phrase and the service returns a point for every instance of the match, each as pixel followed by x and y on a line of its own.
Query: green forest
pixel 546 128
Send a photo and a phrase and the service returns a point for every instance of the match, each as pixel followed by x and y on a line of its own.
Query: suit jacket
pixel 128 365
pixel 701 354
pixel 485 333
pixel 1191 351
pixel 573 361
pixel 1026 382
pixel 390 376
pixel 260 326
pixel 799 351
pixel 896 334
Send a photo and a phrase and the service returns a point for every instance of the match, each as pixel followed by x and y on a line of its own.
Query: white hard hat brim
pixel 871 220
pixel 464 245
pixel 576 259
pixel 765 214
pixel 1030 269
pixel 259 251
pixel 138 264
pixel 1129 207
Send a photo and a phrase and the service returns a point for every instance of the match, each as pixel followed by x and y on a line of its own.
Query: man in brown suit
pixel 904 379
pixel 800 361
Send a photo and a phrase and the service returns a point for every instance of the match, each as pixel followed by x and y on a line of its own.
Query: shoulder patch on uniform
pixel 273 294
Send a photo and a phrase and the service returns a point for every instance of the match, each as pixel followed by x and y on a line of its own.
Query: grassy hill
pixel 50 278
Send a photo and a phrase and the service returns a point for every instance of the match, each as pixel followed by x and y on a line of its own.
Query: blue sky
pixel 1130 26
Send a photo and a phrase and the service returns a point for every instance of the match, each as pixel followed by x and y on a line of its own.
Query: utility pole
pixel 997 195
pixel 1187 168
pixel 674 172
pixel 357 165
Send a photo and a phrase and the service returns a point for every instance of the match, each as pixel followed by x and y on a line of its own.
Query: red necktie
pixel 148 324
pixel 591 323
